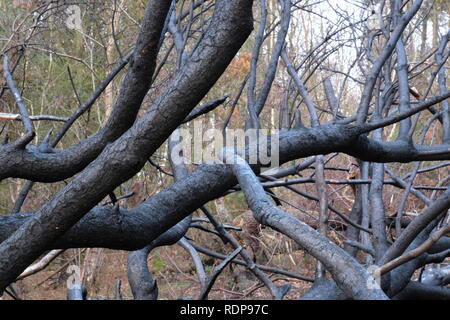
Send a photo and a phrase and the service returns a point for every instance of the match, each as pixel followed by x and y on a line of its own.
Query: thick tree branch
pixel 348 273
pixel 28 125
pixel 119 161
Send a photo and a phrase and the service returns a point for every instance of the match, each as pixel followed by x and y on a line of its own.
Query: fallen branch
pixel 424 247
pixel 349 274
pixel 218 255
pixel 42 264
pixel 18 117
pixel 216 273
pixel 12 87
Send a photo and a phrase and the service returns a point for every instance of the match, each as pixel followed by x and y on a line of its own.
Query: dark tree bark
pixel 119 161
pixel 390 125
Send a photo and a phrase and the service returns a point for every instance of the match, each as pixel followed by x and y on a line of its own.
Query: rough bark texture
pixel 119 161
pixel 203 50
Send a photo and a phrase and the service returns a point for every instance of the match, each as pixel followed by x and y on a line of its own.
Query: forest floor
pixel 173 269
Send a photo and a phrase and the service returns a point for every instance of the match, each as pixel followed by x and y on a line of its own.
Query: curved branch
pixel 415 252
pixel 348 273
pixel 56 166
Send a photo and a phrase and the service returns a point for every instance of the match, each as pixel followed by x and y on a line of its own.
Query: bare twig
pixel 415 252
pixel 218 255
pixel 41 264
pixel 18 117
pixel 216 273
pixel 28 125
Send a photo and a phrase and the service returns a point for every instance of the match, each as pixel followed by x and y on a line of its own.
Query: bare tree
pixel 368 88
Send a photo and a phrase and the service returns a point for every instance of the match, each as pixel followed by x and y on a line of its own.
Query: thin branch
pixel 41 264
pixel 28 125
pixel 251 265
pixel 205 108
pixel 216 273
pixel 217 255
pixel 85 106
pixel 350 276
pixel 415 252
pixel 202 277
pixel 18 117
